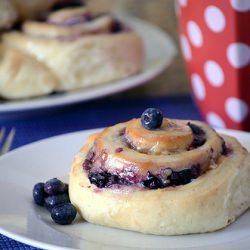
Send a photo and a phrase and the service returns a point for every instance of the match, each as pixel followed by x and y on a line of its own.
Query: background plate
pixel 20 219
pixel 159 53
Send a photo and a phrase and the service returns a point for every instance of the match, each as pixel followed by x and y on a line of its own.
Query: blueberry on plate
pixel 38 194
pixel 55 186
pixel 66 188
pixel 63 214
pixel 54 200
pixel 151 118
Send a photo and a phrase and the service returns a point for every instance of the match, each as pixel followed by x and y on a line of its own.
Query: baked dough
pixel 82 54
pixel 32 9
pixel 22 75
pixel 145 180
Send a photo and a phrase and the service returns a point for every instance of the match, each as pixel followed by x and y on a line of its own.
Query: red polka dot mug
pixel 215 39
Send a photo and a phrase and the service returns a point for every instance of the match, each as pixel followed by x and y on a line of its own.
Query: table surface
pixel 33 126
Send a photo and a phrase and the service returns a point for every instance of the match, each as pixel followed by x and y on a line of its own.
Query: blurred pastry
pixel 32 9
pixel 80 49
pixel 8 14
pixel 22 76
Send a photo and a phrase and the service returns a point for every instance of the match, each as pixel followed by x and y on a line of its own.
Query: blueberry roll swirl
pixel 179 166
pixel 80 48
pixel 174 154
pixel 70 23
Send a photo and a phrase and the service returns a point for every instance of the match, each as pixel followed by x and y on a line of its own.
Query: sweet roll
pixel 179 178
pixel 79 48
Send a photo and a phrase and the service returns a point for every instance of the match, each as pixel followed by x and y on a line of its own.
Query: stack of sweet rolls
pixel 179 177
pixel 68 49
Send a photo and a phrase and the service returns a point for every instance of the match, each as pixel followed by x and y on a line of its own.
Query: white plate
pixel 159 53
pixel 20 219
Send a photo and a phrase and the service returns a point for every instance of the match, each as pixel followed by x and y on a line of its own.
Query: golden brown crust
pixel 208 203
pixel 172 136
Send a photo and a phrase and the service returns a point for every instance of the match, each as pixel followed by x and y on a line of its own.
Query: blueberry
pixel 63 214
pixel 116 26
pixel 152 182
pixel 199 135
pixel 151 118
pixel 39 194
pixel 195 129
pixel 113 179
pixel 185 176
pixel 53 200
pixel 99 179
pixel 104 179
pixel 181 178
pixel 66 188
pixel 225 149
pixel 67 3
pixel 54 187
pixel 174 178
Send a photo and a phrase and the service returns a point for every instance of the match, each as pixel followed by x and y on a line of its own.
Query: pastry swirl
pixel 79 48
pixel 69 24
pixel 180 178
pixel 129 154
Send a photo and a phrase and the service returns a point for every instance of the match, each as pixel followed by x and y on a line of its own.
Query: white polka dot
pixel 238 54
pixel 195 34
pixel 214 73
pixel 183 3
pixel 236 109
pixel 215 120
pixel 240 5
pixel 198 87
pixel 185 47
pixel 215 19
